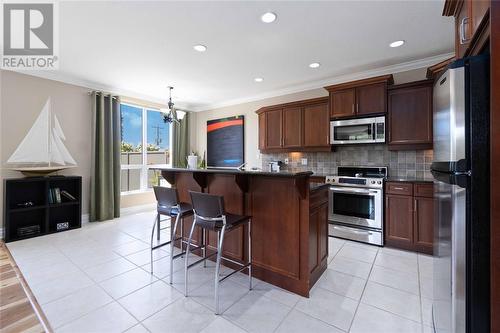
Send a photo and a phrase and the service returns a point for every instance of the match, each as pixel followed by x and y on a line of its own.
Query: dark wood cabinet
pixel 409 216
pixel 343 103
pixel 274 129
pixel 399 220
pixel 410 116
pixel 471 25
pixel 297 126
pixel 360 98
pixel 371 99
pixel 292 127
pixel 316 134
pixel 318 232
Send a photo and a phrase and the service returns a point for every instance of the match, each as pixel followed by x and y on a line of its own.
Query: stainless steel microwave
pixel 352 131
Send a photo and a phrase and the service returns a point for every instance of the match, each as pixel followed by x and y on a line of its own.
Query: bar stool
pixel 169 205
pixel 209 214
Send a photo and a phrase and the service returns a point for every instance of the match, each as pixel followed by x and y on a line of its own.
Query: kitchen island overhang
pixel 289 221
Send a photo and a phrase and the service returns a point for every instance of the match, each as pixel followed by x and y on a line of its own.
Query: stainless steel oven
pixel 358 206
pixel 352 131
pixel 355 208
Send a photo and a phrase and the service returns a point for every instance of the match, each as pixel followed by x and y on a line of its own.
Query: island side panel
pixel 184 182
pixel 235 242
pixel 279 233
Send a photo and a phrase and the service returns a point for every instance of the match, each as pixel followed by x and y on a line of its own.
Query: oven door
pixel 356 206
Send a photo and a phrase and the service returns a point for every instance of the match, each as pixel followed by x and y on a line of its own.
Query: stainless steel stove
pixel 355 209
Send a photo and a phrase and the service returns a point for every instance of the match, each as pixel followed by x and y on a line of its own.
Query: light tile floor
pixel 96 279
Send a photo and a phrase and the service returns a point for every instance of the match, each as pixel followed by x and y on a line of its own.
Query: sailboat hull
pixel 41 171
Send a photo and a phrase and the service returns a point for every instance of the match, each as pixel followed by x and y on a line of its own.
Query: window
pixel 145 142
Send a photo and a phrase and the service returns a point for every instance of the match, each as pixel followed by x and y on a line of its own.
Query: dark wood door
pixel 323 232
pixel 410 117
pixel 316 126
pixel 292 127
pixel 318 236
pixel 424 224
pixel 262 131
pixel 343 103
pixel 274 129
pixel 399 221
pixel 478 11
pixel 371 99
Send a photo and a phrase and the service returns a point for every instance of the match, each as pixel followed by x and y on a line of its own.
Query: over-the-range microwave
pixel 352 131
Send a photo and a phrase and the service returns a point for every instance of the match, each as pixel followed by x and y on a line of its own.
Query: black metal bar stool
pixel 169 205
pixel 209 214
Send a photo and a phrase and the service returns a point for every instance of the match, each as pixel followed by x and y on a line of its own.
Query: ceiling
pixel 139 48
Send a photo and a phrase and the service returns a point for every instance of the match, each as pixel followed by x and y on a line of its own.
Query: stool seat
pixel 185 209
pixel 232 221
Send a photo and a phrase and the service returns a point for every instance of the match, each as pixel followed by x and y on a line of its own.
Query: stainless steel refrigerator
pixel 461 191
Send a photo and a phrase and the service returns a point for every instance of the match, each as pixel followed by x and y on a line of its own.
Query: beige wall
pixel 252 156
pixel 22 97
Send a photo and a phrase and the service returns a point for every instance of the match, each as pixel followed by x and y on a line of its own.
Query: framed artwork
pixel 225 142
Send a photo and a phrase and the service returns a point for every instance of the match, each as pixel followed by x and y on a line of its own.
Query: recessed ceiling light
pixel 200 48
pixel 268 17
pixel 314 65
pixel 258 79
pixel 397 43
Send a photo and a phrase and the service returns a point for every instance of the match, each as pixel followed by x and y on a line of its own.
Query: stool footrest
pixel 179 255
pixel 200 260
pixel 160 245
pixel 231 274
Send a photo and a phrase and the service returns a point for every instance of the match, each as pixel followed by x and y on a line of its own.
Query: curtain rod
pixel 101 92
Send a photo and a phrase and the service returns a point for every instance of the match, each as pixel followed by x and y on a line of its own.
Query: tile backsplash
pixel 409 163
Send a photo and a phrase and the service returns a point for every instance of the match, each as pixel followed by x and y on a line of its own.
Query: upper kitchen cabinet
pixel 316 134
pixel 472 25
pixel 410 116
pixel 297 126
pixel 359 98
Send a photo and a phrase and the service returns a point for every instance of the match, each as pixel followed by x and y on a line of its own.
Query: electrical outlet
pixel 286 160
pixel 303 161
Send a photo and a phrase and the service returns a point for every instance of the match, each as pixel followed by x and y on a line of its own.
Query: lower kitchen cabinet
pixel 409 216
pixel 318 233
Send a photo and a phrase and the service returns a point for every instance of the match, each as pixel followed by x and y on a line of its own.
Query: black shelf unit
pixel 43 214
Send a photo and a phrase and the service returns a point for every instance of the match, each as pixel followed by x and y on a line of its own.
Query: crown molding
pixel 391 69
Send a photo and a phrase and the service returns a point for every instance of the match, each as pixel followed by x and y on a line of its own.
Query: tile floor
pixel 96 279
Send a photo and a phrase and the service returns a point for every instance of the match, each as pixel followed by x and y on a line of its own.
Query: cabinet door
pixel 318 236
pixel 463 29
pixel 342 103
pixel 316 126
pixel 292 127
pixel 424 224
pixel 262 131
pixel 399 221
pixel 410 117
pixel 274 130
pixel 371 99
pixel 478 11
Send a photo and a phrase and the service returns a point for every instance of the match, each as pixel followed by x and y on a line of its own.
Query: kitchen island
pixel 289 221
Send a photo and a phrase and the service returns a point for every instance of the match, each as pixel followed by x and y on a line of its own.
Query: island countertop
pixel 237 172
pixel 289 221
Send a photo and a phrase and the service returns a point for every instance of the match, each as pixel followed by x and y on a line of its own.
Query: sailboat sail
pixel 43 144
pixel 35 146
pixel 58 137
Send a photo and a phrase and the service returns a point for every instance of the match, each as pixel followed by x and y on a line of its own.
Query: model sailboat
pixel 42 150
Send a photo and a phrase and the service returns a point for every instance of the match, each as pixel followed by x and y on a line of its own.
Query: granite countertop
pixel 409 179
pixel 239 172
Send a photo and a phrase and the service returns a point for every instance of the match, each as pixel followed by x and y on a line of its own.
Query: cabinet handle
pixel 357 107
pixel 399 188
pixel 416 203
pixel 463 40
pixel 353 108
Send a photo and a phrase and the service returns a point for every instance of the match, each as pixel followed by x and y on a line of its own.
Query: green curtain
pixel 181 142
pixel 105 172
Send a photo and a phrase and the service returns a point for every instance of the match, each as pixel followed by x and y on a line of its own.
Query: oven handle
pixel 359 232
pixel 354 190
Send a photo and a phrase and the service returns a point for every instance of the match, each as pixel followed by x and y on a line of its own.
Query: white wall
pixel 252 156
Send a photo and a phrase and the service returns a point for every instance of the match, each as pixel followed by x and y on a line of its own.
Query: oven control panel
pixel 355 181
